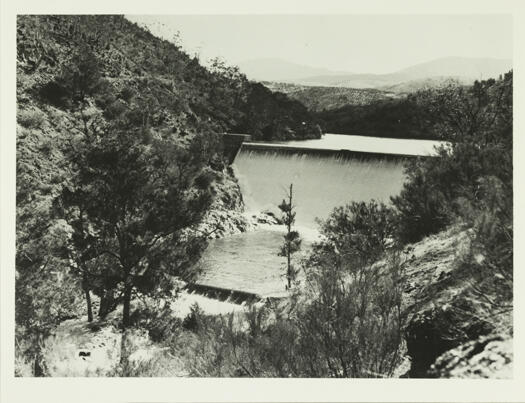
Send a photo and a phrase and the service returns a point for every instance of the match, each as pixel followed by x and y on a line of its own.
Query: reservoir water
pixel 249 261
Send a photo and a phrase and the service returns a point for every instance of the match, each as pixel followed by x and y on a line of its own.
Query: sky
pixel 348 43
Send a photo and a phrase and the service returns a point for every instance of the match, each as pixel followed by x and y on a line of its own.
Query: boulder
pixel 487 357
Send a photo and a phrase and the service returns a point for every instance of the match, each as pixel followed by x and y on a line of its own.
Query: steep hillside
pixel 220 96
pixel 78 73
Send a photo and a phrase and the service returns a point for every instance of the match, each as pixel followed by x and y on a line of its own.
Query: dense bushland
pixel 321 99
pixel 395 118
pixel 477 123
pixel 220 96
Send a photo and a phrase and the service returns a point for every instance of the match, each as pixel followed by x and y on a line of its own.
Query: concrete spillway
pixel 224 294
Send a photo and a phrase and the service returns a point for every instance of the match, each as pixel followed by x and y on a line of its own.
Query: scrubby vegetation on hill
pixel 219 97
pixel 319 99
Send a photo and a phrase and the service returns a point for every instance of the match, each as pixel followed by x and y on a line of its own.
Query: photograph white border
pixel 230 389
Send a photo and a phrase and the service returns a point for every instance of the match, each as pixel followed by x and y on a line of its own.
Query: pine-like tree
pixel 292 239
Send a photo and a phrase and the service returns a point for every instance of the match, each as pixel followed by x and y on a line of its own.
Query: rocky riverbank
pixel 227 215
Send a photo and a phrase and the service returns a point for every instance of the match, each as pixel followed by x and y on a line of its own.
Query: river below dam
pixel 321 182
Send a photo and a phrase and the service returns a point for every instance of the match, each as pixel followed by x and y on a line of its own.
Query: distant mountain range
pixel 432 73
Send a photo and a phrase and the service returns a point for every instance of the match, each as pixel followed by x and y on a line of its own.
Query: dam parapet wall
pixel 335 153
pixel 232 144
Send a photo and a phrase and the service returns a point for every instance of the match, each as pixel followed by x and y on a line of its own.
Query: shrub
pixel 195 320
pixel 31 118
pixel 421 207
pixel 352 324
pixel 489 259
pixel 360 229
pixel 55 94
pixel 158 320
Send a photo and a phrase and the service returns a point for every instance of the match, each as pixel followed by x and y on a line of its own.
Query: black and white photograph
pixel 266 195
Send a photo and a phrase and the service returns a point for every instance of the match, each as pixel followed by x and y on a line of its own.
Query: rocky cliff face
pixel 226 214
pixel 445 334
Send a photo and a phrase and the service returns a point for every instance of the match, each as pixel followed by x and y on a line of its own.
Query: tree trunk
pixel 127 301
pixel 124 352
pixel 88 302
pixel 289 271
pixel 39 367
pixel 85 287
pixel 107 303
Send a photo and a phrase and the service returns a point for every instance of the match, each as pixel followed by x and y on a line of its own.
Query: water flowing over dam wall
pixel 288 149
pixel 322 179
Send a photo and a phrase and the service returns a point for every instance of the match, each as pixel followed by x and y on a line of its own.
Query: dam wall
pixel 322 179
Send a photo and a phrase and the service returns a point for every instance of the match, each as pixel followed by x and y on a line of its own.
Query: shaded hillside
pixel 394 118
pixel 325 98
pixel 444 316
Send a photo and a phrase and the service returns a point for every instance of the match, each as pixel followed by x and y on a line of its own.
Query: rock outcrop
pixel 227 216
pixel 444 334
pixel 487 357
